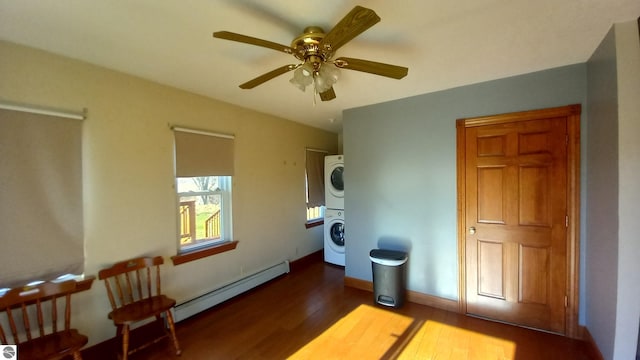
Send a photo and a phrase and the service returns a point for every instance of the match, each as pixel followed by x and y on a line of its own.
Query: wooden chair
pixel 135 296
pixel 39 305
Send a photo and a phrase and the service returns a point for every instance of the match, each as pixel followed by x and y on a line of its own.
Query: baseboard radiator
pixel 217 296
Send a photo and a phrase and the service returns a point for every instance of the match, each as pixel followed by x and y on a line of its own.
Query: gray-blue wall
pixel 613 197
pixel 602 219
pixel 400 170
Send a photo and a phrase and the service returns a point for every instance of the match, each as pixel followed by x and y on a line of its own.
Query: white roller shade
pixel 41 225
pixel 203 154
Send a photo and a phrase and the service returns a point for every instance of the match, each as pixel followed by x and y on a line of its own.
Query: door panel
pixel 534 265
pixel 491 200
pixel 490 261
pixel 533 200
pixel 516 203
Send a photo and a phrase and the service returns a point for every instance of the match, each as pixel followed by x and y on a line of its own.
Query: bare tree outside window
pixel 205 183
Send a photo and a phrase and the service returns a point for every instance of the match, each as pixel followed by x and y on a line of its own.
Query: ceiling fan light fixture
pixel 325 78
pixel 301 78
pixel 322 79
pixel 308 69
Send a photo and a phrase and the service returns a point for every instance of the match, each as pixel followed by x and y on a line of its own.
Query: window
pixel 314 186
pixel 204 175
pixel 204 210
pixel 41 222
pixel 315 213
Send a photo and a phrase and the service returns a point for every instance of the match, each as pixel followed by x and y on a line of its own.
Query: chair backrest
pixel 132 280
pixel 30 305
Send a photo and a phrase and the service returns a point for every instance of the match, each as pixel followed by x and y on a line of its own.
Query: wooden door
pixel 516 215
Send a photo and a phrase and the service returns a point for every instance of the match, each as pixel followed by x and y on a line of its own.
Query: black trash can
pixel 389 276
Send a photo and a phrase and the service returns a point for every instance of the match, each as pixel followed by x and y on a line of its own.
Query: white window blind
pixel 41 225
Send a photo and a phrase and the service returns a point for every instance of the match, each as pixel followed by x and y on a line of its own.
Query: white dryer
pixel 333 182
pixel 334 236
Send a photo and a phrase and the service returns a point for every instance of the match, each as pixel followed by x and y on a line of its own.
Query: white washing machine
pixel 333 182
pixel 334 236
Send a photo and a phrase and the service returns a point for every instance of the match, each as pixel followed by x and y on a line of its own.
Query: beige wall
pixel 129 196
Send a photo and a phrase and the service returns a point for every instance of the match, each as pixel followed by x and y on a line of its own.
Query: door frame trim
pixel 572 114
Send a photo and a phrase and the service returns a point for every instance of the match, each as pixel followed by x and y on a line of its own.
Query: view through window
pixel 204 210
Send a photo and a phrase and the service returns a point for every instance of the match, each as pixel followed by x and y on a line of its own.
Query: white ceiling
pixel 443 43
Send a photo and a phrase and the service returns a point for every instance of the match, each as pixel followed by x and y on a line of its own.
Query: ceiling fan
pixel 315 50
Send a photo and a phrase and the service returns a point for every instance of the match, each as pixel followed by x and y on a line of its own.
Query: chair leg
pixel 118 338
pixel 173 332
pixel 125 342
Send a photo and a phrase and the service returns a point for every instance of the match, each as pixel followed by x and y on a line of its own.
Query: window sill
pixel 85 284
pixel 202 253
pixel 314 223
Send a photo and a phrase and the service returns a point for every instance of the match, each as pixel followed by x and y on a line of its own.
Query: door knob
pixel 472 230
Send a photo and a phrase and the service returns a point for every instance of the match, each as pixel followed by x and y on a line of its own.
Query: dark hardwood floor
pixel 309 314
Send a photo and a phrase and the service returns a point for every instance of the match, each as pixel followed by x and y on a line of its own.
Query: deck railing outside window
pixel 189 225
pixel 187 221
pixel 212 226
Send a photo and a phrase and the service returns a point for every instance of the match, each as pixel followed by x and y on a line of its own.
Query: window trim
pixel 313 223
pixel 203 252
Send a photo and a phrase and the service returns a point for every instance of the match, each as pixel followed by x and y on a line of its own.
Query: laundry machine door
pixel 336 234
pixel 337 182
pixel 334 237
pixel 334 182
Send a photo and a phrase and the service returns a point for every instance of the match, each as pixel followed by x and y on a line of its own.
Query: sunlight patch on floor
pixel 369 332
pixel 434 340
pixel 365 333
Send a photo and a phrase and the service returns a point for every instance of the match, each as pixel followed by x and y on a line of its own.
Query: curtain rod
pixel 202 132
pixel 41 111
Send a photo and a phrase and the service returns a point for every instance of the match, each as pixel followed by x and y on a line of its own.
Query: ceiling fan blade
pixel 268 76
pixel 372 67
pixel 227 35
pixel 353 24
pixel 328 95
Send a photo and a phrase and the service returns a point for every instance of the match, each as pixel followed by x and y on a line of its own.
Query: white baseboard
pixel 217 296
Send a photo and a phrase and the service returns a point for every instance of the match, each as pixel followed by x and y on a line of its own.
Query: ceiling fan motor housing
pixel 307 46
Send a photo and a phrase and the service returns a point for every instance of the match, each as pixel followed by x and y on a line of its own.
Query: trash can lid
pixel 388 257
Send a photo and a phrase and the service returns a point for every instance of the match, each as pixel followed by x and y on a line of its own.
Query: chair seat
pixel 141 309
pixel 52 346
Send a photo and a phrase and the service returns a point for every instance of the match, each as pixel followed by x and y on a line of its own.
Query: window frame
pixel 316 221
pixel 189 148
pixel 226 223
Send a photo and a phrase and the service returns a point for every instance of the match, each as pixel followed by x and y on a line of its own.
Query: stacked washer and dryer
pixel 334 210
